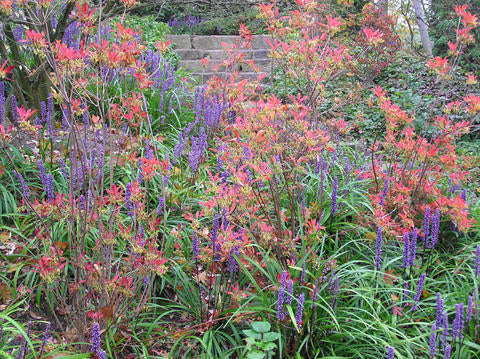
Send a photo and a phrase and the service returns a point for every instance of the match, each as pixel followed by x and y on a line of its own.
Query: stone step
pixel 259 42
pixel 197 54
pixel 218 65
pixel 225 75
pixel 180 41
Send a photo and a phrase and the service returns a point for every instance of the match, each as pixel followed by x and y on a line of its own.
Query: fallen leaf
pixel 425 293
pixel 5 293
pixel 389 277
pixel 397 310
pixel 107 311
pixel 5 236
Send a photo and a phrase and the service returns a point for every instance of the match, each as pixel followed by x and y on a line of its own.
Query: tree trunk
pixel 383 4
pixel 423 27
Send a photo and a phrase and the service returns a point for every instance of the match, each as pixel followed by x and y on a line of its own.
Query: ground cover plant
pixel 145 215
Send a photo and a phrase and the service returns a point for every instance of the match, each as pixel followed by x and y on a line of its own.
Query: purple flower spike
pixel 196 250
pixel 391 353
pixel 49 188
pixel 448 351
pixel 426 227
pixel 433 342
pixel 438 317
pixel 405 291
pixel 299 313
pixel 315 294
pixel 416 299
pixel 378 248
pixel 283 278
pixel 334 196
pixel 14 106
pixel 413 246
pixel 95 338
pixel 280 300
pixel 46 335
pixel 26 191
pixel 304 270
pixel 406 250
pixel 2 102
pixel 458 322
pixel 385 190
pixel 232 261
pixel 435 228
pixel 476 266
pixel 161 203
pixel 214 234
pixel 48 117
pixel 469 308
pixel 290 292
pixel 43 172
pixel 445 328
pixel 128 202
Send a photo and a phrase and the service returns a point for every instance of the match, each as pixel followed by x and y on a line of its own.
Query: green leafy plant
pixel 260 340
